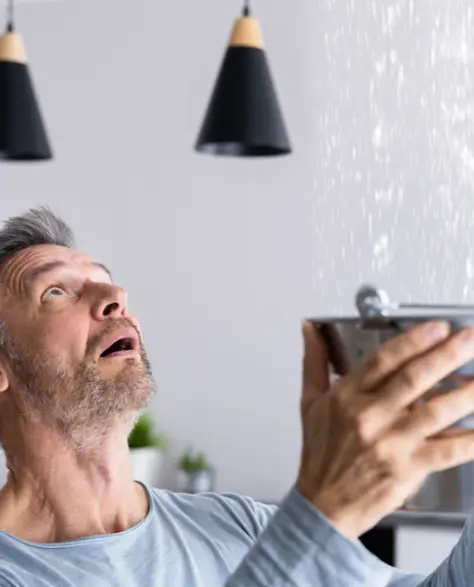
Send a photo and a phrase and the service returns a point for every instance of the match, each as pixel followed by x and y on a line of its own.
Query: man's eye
pixel 53 292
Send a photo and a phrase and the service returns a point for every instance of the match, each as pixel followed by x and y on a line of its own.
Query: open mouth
pixel 120 346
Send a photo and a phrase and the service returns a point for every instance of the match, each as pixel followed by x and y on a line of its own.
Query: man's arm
pixel 299 547
pixel 366 448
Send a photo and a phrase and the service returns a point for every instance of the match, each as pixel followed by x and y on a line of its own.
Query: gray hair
pixel 38 226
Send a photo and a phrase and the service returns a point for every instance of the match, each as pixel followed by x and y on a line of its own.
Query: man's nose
pixel 110 301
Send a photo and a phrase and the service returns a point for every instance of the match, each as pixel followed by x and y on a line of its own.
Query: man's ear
pixel 4 378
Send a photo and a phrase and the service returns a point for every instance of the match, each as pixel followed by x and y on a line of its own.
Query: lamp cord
pixel 246 10
pixel 11 16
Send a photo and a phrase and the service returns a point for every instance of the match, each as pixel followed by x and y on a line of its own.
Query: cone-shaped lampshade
pixel 22 132
pixel 243 117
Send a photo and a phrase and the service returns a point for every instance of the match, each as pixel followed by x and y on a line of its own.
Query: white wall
pixel 422 549
pixel 223 258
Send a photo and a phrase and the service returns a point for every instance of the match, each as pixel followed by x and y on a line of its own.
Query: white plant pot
pixel 146 465
pixel 199 482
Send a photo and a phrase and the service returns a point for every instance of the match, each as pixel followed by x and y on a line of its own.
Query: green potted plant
pixel 195 474
pixel 147 446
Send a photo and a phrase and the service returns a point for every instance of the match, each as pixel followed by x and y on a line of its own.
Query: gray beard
pixel 82 403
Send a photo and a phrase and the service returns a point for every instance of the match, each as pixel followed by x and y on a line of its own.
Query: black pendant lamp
pixel 243 118
pixel 22 132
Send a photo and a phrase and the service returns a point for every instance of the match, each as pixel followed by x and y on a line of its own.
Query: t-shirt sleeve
pixel 296 546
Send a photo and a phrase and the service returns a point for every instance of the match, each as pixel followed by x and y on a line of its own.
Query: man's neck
pixel 54 495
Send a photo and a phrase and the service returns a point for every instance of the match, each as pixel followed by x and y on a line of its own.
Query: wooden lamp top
pixel 246 33
pixel 12 48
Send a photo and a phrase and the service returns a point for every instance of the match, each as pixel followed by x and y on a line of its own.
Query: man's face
pixel 62 312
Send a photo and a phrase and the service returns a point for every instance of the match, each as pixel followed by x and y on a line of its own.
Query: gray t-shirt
pixel 212 540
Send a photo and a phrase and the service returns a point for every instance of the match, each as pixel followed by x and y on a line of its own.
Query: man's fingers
pixel 446 451
pixel 391 356
pixel 434 416
pixel 315 362
pixel 425 371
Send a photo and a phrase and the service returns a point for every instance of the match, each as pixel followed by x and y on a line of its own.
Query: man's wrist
pixel 325 506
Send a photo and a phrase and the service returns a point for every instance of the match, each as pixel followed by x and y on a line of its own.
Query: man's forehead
pixel 30 263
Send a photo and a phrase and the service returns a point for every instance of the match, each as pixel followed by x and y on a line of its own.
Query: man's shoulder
pixel 226 511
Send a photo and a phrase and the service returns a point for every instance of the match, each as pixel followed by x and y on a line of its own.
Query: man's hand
pixel 368 444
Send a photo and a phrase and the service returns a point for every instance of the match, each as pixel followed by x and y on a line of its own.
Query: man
pixel 73 377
